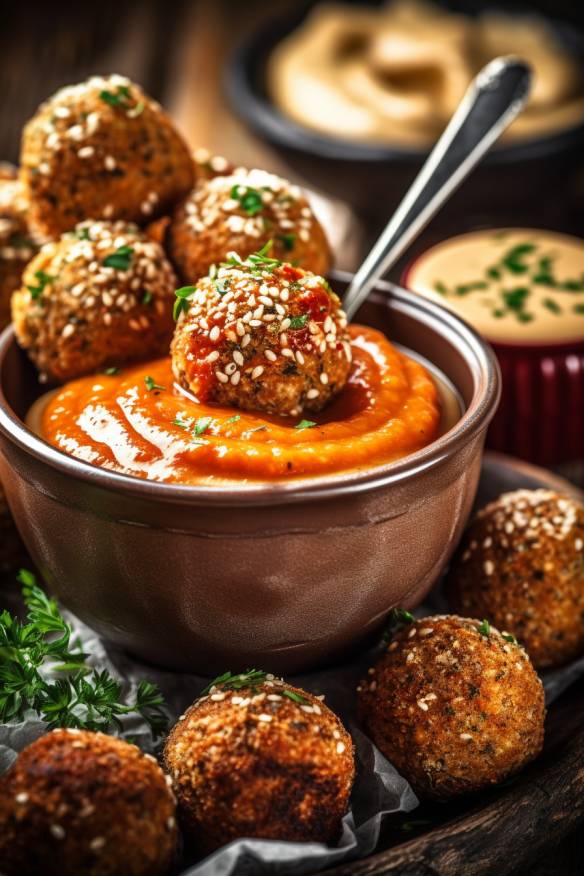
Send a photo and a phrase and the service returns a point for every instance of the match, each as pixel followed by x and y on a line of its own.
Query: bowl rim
pixel 260 113
pixel 486 393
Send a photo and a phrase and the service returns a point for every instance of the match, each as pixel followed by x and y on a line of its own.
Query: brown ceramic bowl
pixel 284 576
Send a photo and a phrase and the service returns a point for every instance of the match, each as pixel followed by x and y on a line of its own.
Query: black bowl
pixel 513 180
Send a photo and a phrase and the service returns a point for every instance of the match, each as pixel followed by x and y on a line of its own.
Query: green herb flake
pixel 202 424
pixel 151 384
pixel 147 298
pixel 299 322
pixel 35 650
pixel 513 261
pixel 552 305
pixel 398 619
pixel 465 288
pixel 111 372
pixel 305 424
pixel 182 424
pixel 250 199
pixel 181 304
pixel 234 419
pixel 295 697
pixel 122 98
pixel 440 287
pixel 287 241
pixel 484 628
pixel 509 638
pixel 43 281
pixel 223 286
pixel 252 678
pixel 493 273
pixel 578 308
pixel 120 259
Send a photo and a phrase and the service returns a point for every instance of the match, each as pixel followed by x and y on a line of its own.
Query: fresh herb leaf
pixel 182 424
pixel 43 280
pixel 552 305
pixel 514 262
pixel 509 638
pixel 440 287
pixel 305 424
pixel 515 298
pixel 578 308
pixel 261 257
pixel 151 384
pixel 223 286
pixel 572 285
pixel 122 98
pixel 484 628
pixel 147 297
pixel 120 259
pixel 397 620
pixel 250 199
pixel 465 288
pixel 202 424
pixel 253 678
pixel 82 234
pixel 233 419
pixel 43 671
pixel 181 305
pixel 111 372
pixel 295 697
pixel 298 322
pixel 287 241
pixel 493 273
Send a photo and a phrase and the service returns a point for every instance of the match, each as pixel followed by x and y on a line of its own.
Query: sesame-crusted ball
pixel 256 757
pixel 11 547
pixel 242 212
pixel 262 335
pixel 103 150
pixel 98 297
pixel 521 565
pixel 76 802
pixel 17 245
pixel 454 705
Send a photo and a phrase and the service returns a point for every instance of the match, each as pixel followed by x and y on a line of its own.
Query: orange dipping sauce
pixel 138 423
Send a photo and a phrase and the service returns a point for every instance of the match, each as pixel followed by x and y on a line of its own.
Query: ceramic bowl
pixel 284 577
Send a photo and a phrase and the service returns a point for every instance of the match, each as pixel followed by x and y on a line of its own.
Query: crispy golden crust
pixel 86 315
pixel 211 223
pixel 17 245
pixel 521 565
pixel 271 338
pixel 11 548
pixel 104 150
pixel 452 709
pixel 85 803
pixel 253 763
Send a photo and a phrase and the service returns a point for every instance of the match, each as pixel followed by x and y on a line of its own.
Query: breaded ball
pixel 256 757
pixel 11 547
pixel 76 802
pixel 242 212
pixel 98 297
pixel 454 706
pixel 262 335
pixel 521 566
pixel 103 150
pixel 17 245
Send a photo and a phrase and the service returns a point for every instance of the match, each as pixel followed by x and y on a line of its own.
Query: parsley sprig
pixel 120 259
pixel 122 98
pixel 181 304
pixel 253 678
pixel 250 199
pixel 43 670
pixel 42 281
pixel 397 620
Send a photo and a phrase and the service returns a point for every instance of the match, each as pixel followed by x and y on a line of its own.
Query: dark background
pixel 176 50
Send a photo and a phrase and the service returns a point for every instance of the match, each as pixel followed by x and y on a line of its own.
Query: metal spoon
pixel 494 98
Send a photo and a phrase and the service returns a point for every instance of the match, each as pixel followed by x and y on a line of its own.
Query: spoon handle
pixel 494 98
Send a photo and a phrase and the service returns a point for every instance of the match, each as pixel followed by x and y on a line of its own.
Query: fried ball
pixel 521 566
pixel 104 150
pixel 98 297
pixel 11 547
pixel 454 706
pixel 242 212
pixel 256 757
pixel 17 245
pixel 79 802
pixel 262 335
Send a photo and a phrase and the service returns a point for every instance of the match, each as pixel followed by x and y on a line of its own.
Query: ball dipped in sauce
pixel 261 335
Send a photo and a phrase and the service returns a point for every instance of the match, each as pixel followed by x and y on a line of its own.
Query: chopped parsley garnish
pixel 578 308
pixel 182 424
pixel 440 287
pixel 250 199
pixel 122 98
pixel 120 259
pixel 253 678
pixel 151 384
pixel 514 261
pixel 36 650
pixel 181 305
pixel 295 697
pixel 43 281
pixel 465 288
pixel 509 638
pixel 111 372
pixel 552 305
pixel 222 286
pixel 261 257
pixel 233 419
pixel 397 620
pixel 202 424
pixel 298 322
pixel 484 628
pixel 147 297
pixel 515 298
pixel 82 234
pixel 305 424
pixel 287 241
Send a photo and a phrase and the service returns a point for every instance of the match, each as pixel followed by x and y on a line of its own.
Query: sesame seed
pixel 85 152
pixel 299 357
pixel 68 330
pixel 489 567
pixel 270 355
pixel 171 822
pixel 22 797
pixel 237 357
pixel 312 393
pixel 257 372
pixel 235 378
pixel 579 544
pixel 423 705
pixel 340 747
pixel 465 736
pixel 245 340
pixel 265 718
pixel 97 844
pixel 324 378
pixel 57 831
pixel 109 162
pixel 231 368
pixel 222 378
pixel 212 357
pixel 218 697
